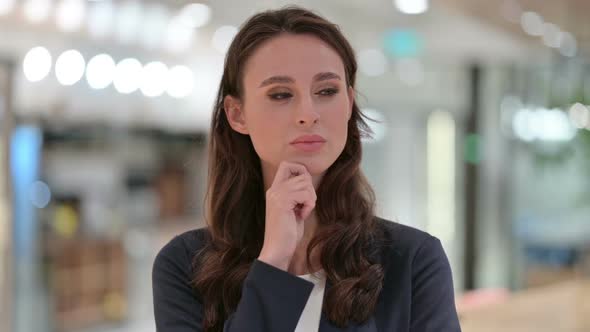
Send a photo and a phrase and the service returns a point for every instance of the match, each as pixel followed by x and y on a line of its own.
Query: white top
pixel 310 317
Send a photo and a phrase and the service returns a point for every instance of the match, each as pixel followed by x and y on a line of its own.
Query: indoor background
pixel 482 139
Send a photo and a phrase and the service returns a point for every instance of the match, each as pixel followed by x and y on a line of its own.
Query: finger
pixel 297 211
pixel 287 170
pixel 304 196
pixel 288 192
pixel 299 182
pixel 306 210
pixel 303 202
pixel 309 206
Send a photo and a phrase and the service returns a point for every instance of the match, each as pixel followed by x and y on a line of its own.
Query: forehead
pixel 300 56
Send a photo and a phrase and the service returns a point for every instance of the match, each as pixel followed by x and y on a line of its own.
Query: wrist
pixel 279 263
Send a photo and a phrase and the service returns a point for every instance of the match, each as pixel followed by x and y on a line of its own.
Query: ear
pixel 235 114
pixel 350 100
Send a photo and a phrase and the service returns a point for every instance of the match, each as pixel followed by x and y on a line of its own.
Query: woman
pixel 292 242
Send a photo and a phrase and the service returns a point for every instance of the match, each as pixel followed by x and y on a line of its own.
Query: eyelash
pixel 284 95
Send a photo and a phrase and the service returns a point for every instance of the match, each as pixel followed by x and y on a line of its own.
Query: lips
pixel 308 139
pixel 308 143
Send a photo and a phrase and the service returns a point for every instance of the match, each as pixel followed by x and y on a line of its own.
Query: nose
pixel 306 113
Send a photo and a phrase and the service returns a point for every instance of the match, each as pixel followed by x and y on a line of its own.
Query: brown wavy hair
pixel 235 199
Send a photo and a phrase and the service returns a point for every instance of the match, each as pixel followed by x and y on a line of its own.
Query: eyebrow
pixel 324 76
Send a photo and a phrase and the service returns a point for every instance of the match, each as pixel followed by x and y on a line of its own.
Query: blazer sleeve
pixel 272 299
pixel 433 299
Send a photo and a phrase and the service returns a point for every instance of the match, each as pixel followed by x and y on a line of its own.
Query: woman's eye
pixel 279 95
pixel 328 92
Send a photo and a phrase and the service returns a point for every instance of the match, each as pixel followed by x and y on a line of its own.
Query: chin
pixel 315 166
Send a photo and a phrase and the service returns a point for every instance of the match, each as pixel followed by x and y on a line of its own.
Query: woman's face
pixel 294 89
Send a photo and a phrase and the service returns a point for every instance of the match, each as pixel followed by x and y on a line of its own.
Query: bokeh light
pixel 69 14
pixel 411 7
pixel 372 62
pixel 532 23
pixel 127 75
pixel 40 194
pixel 568 46
pixel 543 125
pixel 579 115
pixel 552 35
pixel 69 67
pixel 179 37
pixel 180 82
pixel 100 71
pixel 154 79
pixel 37 64
pixel 36 11
pixel 195 15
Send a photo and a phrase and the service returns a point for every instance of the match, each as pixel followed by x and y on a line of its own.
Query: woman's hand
pixel 289 201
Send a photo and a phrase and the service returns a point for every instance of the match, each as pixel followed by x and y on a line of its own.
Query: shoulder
pixel 191 241
pixel 405 244
pixel 399 237
pixel 178 253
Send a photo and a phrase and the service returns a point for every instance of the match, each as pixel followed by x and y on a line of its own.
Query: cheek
pixel 338 122
pixel 341 135
pixel 337 119
pixel 265 134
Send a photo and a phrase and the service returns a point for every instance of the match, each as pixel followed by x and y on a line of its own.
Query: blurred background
pixel 483 141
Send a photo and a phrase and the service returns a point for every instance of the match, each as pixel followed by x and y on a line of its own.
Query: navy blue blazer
pixel 417 292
